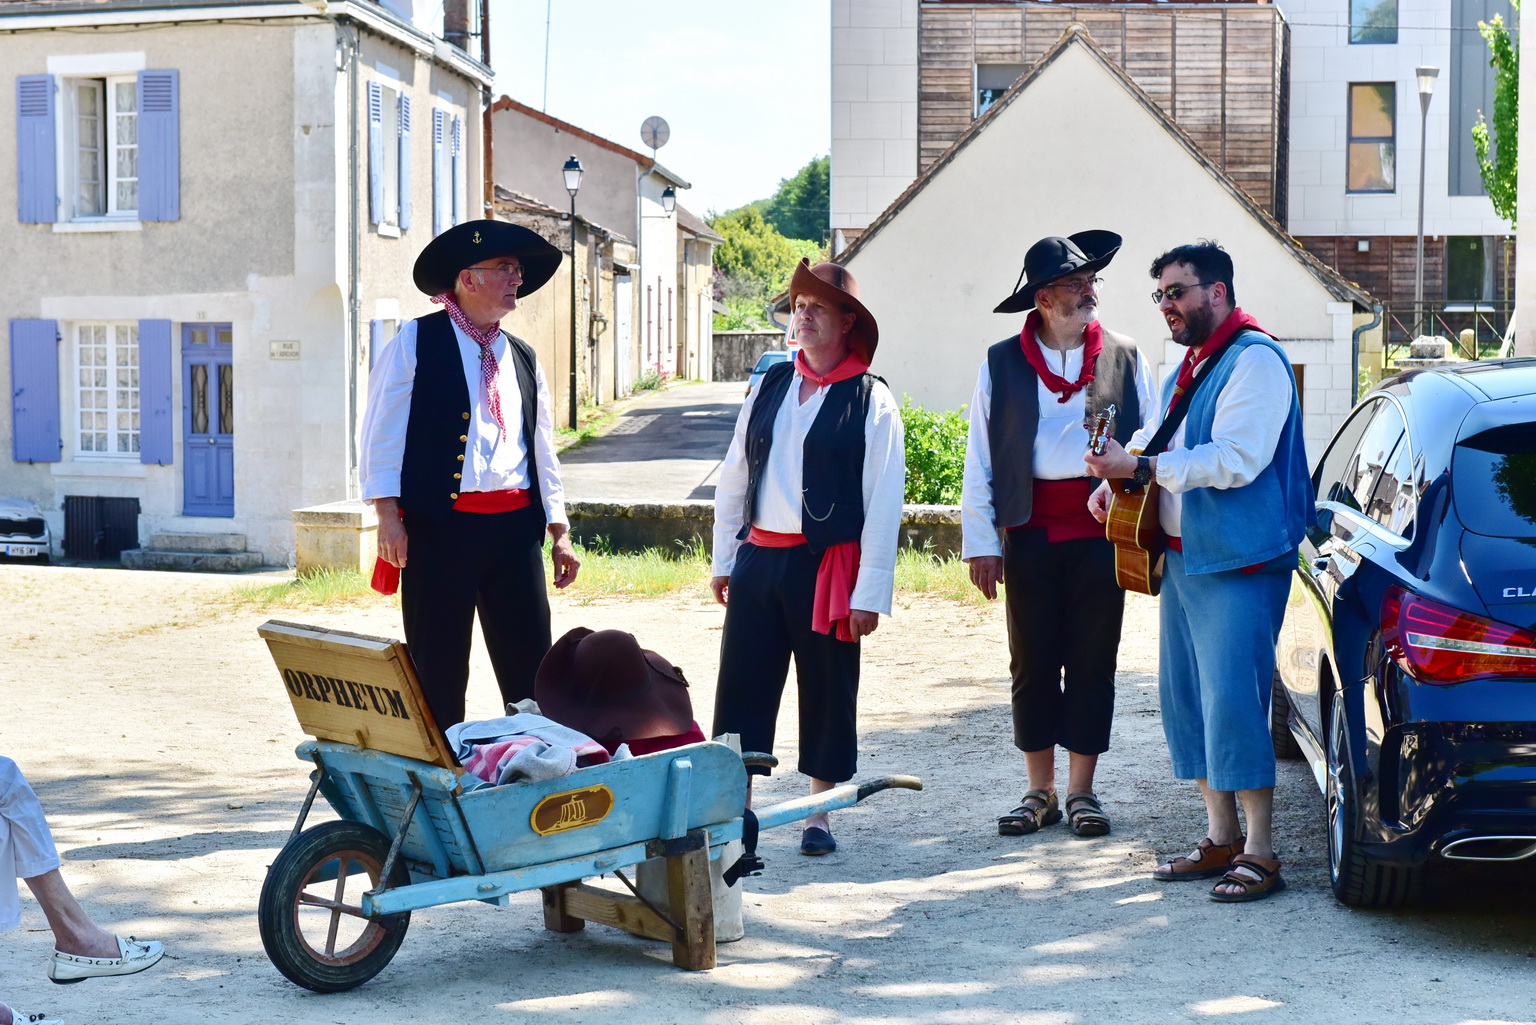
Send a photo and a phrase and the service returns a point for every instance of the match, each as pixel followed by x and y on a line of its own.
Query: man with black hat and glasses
pixel 807 512
pixel 1036 394
pixel 459 462
pixel 1235 497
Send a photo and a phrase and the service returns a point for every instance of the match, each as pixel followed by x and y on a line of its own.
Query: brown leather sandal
pixel 1213 861
pixel 1268 881
pixel 1085 814
pixel 1037 809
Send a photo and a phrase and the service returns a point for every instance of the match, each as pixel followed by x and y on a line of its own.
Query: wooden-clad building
pixel 1219 70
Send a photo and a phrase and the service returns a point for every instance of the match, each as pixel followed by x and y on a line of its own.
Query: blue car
pixel 1406 666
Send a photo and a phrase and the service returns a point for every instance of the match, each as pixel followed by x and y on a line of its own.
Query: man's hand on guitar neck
pixel 1114 463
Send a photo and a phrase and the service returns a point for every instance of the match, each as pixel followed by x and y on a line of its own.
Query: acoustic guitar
pixel 1137 535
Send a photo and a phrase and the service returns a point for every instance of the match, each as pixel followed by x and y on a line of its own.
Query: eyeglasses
pixel 1176 292
pixel 1078 286
pixel 502 270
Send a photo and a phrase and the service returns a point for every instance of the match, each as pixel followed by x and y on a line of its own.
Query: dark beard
pixel 1198 327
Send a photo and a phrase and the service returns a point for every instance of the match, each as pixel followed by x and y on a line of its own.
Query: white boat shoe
pixel 23 1018
pixel 135 956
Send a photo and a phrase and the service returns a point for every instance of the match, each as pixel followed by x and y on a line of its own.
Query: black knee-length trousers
pixel 768 620
pixel 490 563
pixel 1064 615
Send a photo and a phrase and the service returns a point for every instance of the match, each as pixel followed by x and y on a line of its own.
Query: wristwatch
pixel 1143 474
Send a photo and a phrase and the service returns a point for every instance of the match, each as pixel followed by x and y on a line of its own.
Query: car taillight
pixel 1438 644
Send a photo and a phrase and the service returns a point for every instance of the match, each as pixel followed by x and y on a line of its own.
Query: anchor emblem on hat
pixel 475 238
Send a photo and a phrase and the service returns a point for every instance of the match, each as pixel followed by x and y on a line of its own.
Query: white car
pixel 764 362
pixel 23 531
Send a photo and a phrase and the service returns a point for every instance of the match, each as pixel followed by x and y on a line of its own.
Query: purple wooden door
pixel 208 392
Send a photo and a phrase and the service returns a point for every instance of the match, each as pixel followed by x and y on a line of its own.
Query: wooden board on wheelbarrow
pixel 355 689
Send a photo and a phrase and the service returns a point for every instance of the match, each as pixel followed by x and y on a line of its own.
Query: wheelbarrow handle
pixel 844 796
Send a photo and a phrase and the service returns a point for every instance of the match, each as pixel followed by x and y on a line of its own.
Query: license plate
pixel 24 550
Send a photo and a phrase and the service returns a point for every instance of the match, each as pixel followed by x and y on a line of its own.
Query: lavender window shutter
pixel 458 170
pixel 405 161
pixel 36 167
pixel 440 209
pixel 375 152
pixel 159 146
pixel 156 420
pixel 35 391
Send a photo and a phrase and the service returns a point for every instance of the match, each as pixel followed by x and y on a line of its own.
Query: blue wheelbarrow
pixel 337 900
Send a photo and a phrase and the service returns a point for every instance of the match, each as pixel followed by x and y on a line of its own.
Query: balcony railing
pixel 1487 320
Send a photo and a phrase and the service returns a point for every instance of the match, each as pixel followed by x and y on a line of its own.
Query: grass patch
pixel 920 571
pixel 321 589
pixel 591 422
pixel 606 573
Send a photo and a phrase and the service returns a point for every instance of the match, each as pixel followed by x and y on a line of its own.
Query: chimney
pixel 456 23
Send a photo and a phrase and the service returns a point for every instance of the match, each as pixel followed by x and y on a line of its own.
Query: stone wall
pixel 673 526
pixel 736 352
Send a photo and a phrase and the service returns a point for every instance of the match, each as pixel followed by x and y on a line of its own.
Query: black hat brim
pixel 464 245
pixel 1098 244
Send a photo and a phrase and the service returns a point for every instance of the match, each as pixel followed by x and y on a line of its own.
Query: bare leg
pixel 1221 823
pixel 1258 806
pixel 73 930
pixel 1080 769
pixel 1041 767
pixel 823 820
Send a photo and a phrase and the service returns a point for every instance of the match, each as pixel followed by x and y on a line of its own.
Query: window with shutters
pixel 98 144
pixel 106 358
pixel 389 155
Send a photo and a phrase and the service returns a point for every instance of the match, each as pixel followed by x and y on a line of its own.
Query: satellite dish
pixel 654 133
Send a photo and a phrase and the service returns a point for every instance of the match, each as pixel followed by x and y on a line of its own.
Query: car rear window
pixel 1493 478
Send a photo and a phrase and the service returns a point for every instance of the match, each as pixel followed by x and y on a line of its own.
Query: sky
pixel 743 85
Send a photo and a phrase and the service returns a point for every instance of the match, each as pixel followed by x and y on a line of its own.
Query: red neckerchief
pixel 851 366
pixel 1093 344
pixel 489 371
pixel 1235 322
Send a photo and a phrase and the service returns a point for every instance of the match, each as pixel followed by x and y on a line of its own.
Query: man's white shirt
pixel 492 461
pixel 780 489
pixel 1061 441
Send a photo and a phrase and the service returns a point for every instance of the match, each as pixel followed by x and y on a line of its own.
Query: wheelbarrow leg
pixel 693 910
pixel 556 918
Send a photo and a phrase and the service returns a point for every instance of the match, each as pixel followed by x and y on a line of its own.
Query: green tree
pixel 754 256
pixel 802 206
pixel 935 453
pixel 1499 174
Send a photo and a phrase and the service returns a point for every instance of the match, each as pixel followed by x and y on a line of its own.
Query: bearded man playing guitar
pixel 1024 472
pixel 1225 446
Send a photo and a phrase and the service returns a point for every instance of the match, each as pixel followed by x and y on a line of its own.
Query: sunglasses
pixel 1176 292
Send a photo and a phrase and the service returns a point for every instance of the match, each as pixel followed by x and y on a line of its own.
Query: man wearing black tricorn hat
pixel 458 459
pixel 1035 394
pixel 807 511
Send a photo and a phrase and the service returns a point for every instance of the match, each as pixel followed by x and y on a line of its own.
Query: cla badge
pixel 1520 592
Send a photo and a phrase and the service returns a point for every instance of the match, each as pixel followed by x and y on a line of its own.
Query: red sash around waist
pixel 835 578
pixel 1060 508
pixel 386 575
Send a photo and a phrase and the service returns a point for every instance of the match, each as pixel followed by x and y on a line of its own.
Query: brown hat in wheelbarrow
pixel 604 684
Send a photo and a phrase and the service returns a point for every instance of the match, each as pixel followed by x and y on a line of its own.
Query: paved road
pixel 665 447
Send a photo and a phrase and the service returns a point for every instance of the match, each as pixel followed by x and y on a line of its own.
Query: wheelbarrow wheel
pixel 311 918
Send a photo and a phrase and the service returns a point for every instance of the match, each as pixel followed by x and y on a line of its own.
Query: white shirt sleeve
pixel 731 493
pixel 978 518
pixel 389 410
pixel 1146 393
pixel 885 482
pixel 1250 413
pixel 551 491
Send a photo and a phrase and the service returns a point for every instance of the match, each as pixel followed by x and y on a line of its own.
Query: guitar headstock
pixel 1099 427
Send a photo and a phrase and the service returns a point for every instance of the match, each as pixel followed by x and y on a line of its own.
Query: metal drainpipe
pixel 1354 355
pixel 350 41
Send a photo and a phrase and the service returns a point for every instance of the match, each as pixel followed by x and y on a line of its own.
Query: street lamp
pixel 1427 78
pixel 669 199
pixel 572 171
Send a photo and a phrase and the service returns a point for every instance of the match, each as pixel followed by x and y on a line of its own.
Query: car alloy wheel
pixel 1357 878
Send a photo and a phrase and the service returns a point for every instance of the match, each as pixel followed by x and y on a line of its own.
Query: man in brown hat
pixel 458 460
pixel 1035 394
pixel 807 512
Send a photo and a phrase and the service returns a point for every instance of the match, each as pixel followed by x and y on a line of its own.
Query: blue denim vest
pixel 1229 528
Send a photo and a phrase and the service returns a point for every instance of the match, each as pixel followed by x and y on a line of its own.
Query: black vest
pixel 832 478
pixel 437 430
pixel 1015 416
